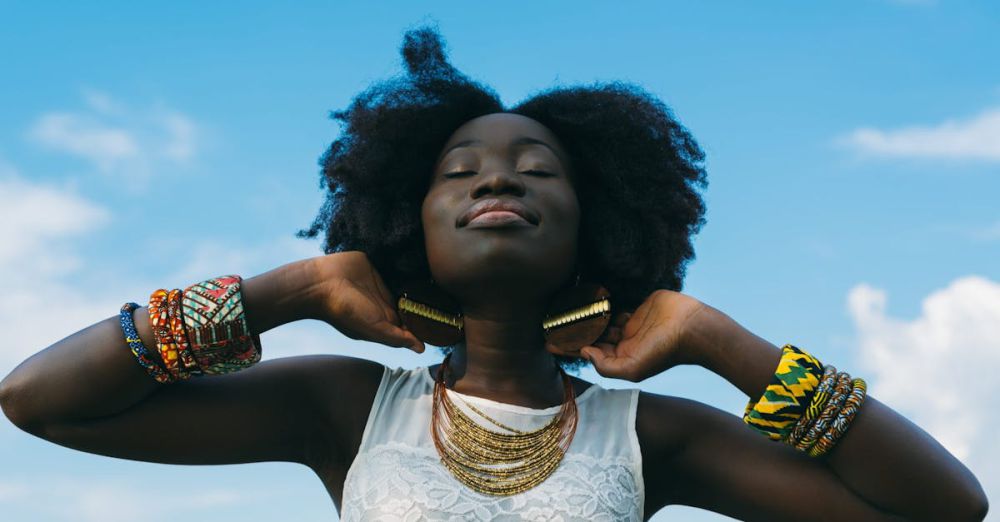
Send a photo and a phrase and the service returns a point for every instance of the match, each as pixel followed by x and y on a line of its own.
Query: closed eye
pixel 461 173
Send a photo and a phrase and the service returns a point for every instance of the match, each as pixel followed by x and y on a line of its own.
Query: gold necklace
pixel 493 462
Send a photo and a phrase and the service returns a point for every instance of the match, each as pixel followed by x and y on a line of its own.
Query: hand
pixel 355 301
pixel 648 341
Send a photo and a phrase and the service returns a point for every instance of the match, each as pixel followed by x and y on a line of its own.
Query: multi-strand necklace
pixel 493 462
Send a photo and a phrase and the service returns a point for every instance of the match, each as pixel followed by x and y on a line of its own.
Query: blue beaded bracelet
pixel 138 349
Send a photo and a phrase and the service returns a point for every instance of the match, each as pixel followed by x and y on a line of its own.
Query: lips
pixel 494 204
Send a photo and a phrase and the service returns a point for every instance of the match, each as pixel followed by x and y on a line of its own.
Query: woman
pixel 456 222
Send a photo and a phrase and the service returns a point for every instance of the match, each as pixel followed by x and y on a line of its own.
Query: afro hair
pixel 638 172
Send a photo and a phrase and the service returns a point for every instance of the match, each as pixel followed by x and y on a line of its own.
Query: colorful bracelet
pixel 159 322
pixel 843 420
pixel 179 333
pixel 791 390
pixel 816 406
pixel 833 407
pixel 138 349
pixel 216 325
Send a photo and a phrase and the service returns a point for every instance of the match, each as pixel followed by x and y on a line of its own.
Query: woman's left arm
pixel 882 458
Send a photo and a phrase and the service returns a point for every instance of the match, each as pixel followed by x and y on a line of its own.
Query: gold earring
pixel 577 316
pixel 430 313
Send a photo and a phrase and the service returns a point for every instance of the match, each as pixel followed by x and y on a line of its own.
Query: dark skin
pixel 86 392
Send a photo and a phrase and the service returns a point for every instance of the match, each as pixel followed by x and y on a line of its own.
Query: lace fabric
pixel 397 474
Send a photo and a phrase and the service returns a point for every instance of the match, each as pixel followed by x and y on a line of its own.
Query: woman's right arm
pixel 87 391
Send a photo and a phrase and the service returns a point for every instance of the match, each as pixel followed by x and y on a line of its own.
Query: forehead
pixel 502 130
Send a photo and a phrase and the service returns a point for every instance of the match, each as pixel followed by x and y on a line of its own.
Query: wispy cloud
pixel 11 491
pixel 116 138
pixel 84 499
pixel 41 228
pixel 43 232
pixel 974 138
pixel 932 368
pixel 986 233
pixel 34 216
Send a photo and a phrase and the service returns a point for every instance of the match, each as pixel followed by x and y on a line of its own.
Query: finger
pixel 607 363
pixel 392 335
pixel 604 346
pixel 386 298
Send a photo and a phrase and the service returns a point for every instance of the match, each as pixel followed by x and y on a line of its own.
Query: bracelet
pixel 159 322
pixel 179 333
pixel 216 325
pixel 833 407
pixel 138 349
pixel 791 390
pixel 843 420
pixel 816 406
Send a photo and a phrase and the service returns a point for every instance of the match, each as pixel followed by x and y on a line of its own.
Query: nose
pixel 498 181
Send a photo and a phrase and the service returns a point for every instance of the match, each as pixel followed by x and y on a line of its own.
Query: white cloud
pixel 975 138
pixel 39 225
pixel 43 229
pixel 88 500
pixel 937 368
pixel 32 216
pixel 115 138
pixel 85 136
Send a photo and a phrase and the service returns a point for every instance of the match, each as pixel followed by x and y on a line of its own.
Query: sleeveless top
pixel 398 475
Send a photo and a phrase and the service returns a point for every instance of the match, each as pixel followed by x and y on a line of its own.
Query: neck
pixel 503 358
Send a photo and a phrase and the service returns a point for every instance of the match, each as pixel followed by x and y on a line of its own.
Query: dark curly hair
pixel 637 170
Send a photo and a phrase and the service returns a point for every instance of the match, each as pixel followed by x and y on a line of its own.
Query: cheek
pixel 565 207
pixel 435 214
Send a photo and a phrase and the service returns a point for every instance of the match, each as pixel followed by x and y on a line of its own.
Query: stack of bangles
pixel 807 405
pixel 200 331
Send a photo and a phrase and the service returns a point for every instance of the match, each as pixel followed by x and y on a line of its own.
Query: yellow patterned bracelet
pixel 791 391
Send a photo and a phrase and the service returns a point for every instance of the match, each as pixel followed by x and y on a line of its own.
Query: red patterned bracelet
pixel 216 325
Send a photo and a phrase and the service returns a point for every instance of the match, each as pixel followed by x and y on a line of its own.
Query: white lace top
pixel 397 474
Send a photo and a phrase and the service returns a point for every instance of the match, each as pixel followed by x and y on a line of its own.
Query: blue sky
pixel 854 171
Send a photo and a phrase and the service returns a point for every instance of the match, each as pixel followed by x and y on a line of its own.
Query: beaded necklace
pixel 493 462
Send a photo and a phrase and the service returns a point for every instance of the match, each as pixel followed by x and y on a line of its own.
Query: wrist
pixel 285 294
pixel 729 350
pixel 706 337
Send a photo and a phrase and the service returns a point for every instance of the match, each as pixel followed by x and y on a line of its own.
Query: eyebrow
pixel 523 140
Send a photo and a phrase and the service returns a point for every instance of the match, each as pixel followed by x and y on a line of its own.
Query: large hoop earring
pixel 430 313
pixel 577 316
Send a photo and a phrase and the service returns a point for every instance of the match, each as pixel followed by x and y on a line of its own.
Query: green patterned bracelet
pixel 786 398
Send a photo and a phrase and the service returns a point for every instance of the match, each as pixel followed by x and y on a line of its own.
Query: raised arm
pixel 87 392
pixel 883 468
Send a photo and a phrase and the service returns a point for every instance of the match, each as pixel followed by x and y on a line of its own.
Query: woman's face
pixel 526 246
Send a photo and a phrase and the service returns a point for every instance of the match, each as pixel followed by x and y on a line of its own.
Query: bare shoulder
pixel 340 391
pixel 664 425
